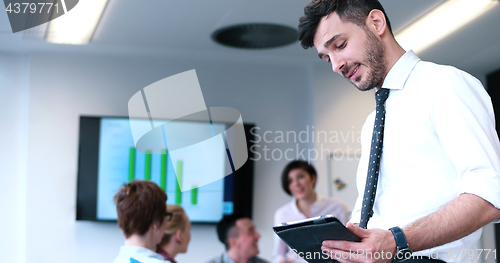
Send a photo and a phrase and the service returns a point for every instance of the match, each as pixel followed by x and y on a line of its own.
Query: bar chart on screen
pixel 175 180
pixel 120 162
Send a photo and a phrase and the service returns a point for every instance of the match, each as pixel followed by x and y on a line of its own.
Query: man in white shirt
pixel 439 179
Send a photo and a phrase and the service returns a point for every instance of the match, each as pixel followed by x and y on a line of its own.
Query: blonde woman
pixel 177 236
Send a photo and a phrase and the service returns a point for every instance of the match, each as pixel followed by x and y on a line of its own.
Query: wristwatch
pixel 403 251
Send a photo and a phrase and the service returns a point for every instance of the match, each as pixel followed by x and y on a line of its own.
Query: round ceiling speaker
pixel 255 36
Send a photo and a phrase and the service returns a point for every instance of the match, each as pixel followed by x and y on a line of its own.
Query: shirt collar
pixel 226 258
pixel 319 200
pixel 132 251
pixel 401 70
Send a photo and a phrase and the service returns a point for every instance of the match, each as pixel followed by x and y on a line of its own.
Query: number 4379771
pixel 31 8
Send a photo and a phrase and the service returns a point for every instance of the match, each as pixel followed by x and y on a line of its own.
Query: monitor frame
pixel 87 173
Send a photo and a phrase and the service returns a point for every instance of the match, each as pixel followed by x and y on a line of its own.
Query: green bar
pixel 163 172
pixel 178 193
pixel 131 164
pixel 147 166
pixel 194 195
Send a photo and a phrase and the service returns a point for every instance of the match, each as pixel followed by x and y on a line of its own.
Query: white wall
pixel 14 77
pixel 63 87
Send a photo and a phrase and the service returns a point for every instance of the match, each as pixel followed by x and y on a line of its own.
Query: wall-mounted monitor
pixel 107 159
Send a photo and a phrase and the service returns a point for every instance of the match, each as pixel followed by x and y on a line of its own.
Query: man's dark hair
pixel 226 228
pixel 296 165
pixel 354 11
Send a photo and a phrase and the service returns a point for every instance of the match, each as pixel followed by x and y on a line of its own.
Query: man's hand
pixel 286 261
pixel 377 245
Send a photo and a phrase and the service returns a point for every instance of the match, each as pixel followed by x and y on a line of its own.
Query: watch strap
pixel 400 238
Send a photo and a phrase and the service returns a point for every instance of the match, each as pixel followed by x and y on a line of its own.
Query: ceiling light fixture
pixel 441 22
pixel 77 26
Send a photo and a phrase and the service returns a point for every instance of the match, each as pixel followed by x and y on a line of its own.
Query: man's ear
pixel 232 241
pixel 376 22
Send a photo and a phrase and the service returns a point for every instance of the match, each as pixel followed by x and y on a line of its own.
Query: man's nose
pixel 338 65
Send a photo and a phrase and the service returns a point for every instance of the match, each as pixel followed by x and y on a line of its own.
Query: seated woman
pixel 299 179
pixel 141 210
pixel 177 236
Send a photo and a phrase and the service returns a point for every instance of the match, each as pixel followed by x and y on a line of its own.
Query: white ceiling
pixel 184 28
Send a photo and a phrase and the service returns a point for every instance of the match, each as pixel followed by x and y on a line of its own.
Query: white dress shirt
pixel 290 212
pixel 439 141
pixel 140 254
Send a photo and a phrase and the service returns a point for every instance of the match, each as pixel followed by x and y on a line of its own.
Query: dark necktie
pixel 375 153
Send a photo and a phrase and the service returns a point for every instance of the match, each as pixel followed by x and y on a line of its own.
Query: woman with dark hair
pixel 177 236
pixel 141 210
pixel 298 180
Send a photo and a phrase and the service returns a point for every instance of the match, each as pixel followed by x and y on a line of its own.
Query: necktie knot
pixel 381 96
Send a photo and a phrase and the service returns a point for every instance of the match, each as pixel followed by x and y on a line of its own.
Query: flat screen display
pixel 108 159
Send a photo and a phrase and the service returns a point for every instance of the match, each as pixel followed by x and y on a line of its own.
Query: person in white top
pixel 298 179
pixel 439 175
pixel 142 215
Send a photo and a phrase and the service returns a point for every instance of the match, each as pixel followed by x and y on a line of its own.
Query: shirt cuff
pixel 485 184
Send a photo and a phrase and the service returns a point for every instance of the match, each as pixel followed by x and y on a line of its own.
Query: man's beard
pixel 375 62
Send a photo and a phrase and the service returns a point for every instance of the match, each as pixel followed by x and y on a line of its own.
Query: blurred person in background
pixel 298 179
pixel 141 210
pixel 177 235
pixel 240 237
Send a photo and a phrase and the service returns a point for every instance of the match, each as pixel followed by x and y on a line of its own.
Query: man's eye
pixel 342 45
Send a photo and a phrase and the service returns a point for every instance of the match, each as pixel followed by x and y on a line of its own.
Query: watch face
pixel 403 254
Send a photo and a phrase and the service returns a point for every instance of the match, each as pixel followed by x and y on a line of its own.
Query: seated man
pixel 240 237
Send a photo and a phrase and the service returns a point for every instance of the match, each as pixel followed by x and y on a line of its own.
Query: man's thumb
pixel 356 230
